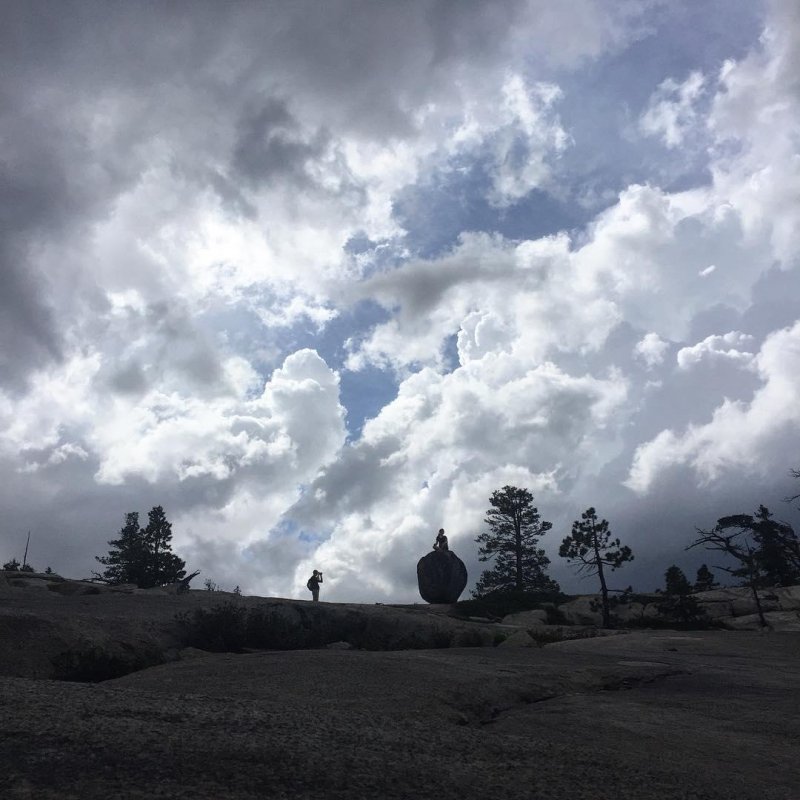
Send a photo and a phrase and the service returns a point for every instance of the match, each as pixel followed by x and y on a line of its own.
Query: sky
pixel 319 277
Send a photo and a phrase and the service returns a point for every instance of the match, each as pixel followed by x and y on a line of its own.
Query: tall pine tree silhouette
pixel 515 528
pixel 143 555
pixel 591 548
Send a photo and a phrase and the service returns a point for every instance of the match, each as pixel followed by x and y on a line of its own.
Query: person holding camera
pixel 313 584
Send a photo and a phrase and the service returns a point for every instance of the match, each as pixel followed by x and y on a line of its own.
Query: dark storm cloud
pixel 157 70
pixel 27 329
pixel 35 196
pixel 417 287
pixel 659 526
pixel 267 145
pixel 356 481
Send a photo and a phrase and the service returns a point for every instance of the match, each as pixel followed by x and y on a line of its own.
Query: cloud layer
pixel 215 222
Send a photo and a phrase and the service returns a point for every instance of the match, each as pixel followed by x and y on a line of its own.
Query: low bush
pixel 500 604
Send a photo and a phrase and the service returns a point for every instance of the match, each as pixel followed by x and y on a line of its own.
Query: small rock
pixel 339 646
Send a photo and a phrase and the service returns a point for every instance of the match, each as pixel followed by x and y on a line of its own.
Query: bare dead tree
pixel 738 546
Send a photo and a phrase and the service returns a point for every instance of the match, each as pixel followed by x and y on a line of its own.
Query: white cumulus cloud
pixel 726 347
pixel 749 436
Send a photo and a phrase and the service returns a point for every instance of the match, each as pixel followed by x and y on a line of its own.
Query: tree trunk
pixel 603 587
pixel 518 538
pixel 753 579
pixel 760 610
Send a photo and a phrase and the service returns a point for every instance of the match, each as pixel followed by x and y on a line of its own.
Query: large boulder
pixel 788 597
pixel 441 576
pixel 738 601
pixel 583 610
pixel 635 612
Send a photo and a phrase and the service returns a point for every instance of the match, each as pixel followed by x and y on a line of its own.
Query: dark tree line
pixel 765 553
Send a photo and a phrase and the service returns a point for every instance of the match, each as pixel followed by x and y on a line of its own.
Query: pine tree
pixel 704 581
pixel 142 555
pixel 126 559
pixel 515 527
pixel 676 582
pixel 163 565
pixel 591 548
pixel 678 604
pixel 767 551
pixel 778 549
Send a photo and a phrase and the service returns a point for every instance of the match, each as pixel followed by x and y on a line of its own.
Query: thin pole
pixel 25 557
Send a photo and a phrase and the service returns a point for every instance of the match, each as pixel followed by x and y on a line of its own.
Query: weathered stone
pixel 441 576
pixel 518 639
pixel 739 602
pixel 716 595
pixel 192 652
pixel 716 610
pixel 527 619
pixel 746 604
pixel 788 597
pixel 472 636
pixel 28 583
pixel 67 587
pixel 630 611
pixel 580 612
pixel 776 620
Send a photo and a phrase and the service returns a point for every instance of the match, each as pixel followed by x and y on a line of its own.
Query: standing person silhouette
pixel 441 541
pixel 313 585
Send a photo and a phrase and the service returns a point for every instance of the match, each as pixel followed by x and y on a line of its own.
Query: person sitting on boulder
pixel 313 585
pixel 441 541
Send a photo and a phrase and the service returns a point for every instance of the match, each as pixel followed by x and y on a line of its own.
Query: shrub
pixel 502 603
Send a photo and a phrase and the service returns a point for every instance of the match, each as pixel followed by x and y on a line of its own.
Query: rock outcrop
pixel 441 576
pixel 733 608
pixel 88 632
pixel 518 639
pixel 527 619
